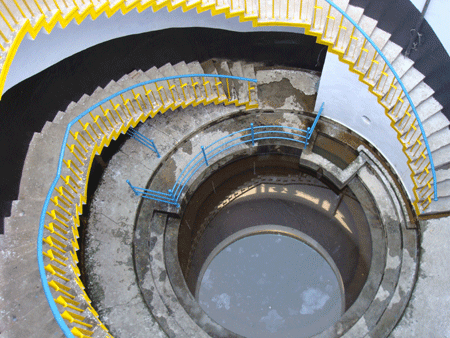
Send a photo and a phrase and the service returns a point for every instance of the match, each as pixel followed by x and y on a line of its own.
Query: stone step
pixel 435 123
pixel 240 86
pixel 355 52
pixel 439 139
pixel 183 96
pixel 40 165
pixel 24 304
pixel 127 99
pixel 442 175
pixel 372 70
pixel 195 94
pixel 162 88
pixel 441 205
pixel 21 227
pixel 149 94
pixel 428 108
pixel 75 109
pixel 440 156
pixel 443 188
pixel 229 86
pixel 205 88
pixel 209 68
pixel 249 72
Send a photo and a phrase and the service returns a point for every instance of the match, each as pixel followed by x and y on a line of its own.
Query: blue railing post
pixel 253 134
pixel 308 135
pixel 132 188
pixel 143 140
pixel 310 130
pixel 204 155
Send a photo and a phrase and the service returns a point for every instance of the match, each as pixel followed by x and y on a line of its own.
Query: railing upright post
pixel 308 136
pixel 132 188
pixel 204 155
pixel 253 134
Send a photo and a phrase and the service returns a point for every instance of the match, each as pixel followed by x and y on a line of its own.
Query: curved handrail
pixel 40 236
pixel 422 130
pixel 243 136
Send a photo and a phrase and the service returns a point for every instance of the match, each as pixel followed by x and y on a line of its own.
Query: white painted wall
pixel 349 102
pixel 75 38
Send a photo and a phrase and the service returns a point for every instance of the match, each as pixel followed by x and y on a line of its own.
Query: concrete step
pixel 209 68
pixel 162 88
pixel 355 48
pixel 420 93
pixel 441 205
pixel 40 165
pixel 149 94
pixel 127 99
pixel 428 108
pixel 21 227
pixel 391 51
pixel 180 95
pixel 443 189
pixel 33 324
pixel 371 69
pixel 229 86
pixel 440 156
pixel 204 85
pixel 442 175
pixel 249 72
pixel 439 139
pixel 75 109
pixel 355 13
pixel 191 90
pixel 435 123
pixel 240 86
pixel 24 304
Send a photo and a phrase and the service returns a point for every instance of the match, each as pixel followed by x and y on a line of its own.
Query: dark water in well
pixel 271 286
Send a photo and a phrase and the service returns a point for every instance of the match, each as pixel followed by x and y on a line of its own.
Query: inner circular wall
pixel 156 249
pixel 272 189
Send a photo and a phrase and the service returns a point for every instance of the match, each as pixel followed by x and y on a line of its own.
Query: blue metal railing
pixel 40 258
pixel 143 140
pixel 422 130
pixel 237 138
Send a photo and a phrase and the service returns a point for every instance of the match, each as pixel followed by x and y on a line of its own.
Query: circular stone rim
pixel 375 312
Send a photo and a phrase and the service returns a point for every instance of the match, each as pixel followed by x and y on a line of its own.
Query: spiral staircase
pixel 424 137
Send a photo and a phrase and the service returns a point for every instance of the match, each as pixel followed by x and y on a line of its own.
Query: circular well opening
pixel 271 281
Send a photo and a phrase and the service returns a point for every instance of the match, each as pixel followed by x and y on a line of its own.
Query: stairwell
pixel 24 301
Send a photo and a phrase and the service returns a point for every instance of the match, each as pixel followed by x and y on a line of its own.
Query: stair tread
pixel 195 68
pixel 249 72
pixel 156 100
pixel 240 86
pixel 33 323
pixel 41 158
pixel 99 94
pixel 439 139
pixel 21 299
pixel 229 87
pixel 435 123
pixel 440 156
pixel 164 94
pixel 443 188
pixel 441 205
pixel 22 222
pixel 442 175
pixel 428 108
